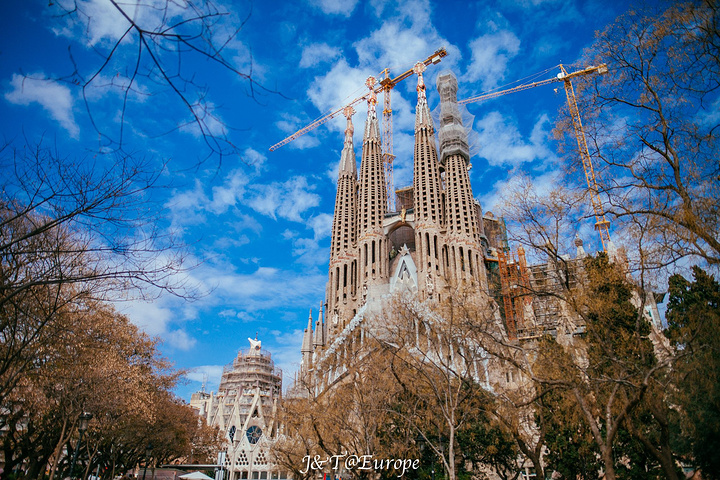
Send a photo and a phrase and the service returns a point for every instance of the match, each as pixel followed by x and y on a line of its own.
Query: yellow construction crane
pixel 385 85
pixel 601 223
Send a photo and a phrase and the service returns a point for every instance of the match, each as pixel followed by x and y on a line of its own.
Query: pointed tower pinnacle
pixel 319 327
pixel 427 196
pixel 580 253
pixel 342 283
pixel 347 158
pixel 307 336
pixel 463 235
pixel 372 201
pixel 422 111
pixel 453 137
pixel 372 128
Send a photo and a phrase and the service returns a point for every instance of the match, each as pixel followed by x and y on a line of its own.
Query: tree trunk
pixel 608 463
pixel 58 451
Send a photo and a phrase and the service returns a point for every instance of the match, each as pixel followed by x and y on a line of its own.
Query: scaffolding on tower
pixel 514 288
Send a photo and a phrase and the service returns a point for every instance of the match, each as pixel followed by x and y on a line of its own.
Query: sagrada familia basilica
pixel 436 239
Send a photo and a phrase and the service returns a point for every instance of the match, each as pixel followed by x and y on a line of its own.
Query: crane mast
pixel 601 223
pixel 386 85
pixel 513 273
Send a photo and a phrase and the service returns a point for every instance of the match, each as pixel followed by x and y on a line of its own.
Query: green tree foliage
pixel 694 329
pixel 485 443
pixel 597 381
pixel 571 449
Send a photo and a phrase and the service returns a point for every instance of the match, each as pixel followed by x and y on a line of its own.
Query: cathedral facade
pixel 244 410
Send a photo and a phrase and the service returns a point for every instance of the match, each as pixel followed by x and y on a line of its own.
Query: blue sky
pixel 258 223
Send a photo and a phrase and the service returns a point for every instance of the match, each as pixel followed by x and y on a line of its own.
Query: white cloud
pixel 99 21
pixel 150 317
pixel 286 353
pixel 490 56
pixel 288 200
pixel 56 99
pixel 254 158
pixel 180 340
pixel 409 45
pixel 231 313
pixel 228 313
pixel 155 318
pixel 321 225
pixel 230 193
pixel 710 116
pixel 186 207
pixel 338 87
pixel 291 124
pixel 497 197
pixel 209 373
pixel 265 288
pixel 501 143
pixel 318 53
pixel 95 20
pixel 118 85
pixel 308 252
pixel 335 7
pixel 204 121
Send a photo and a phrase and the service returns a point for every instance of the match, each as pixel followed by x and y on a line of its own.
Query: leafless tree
pixel 652 126
pixel 71 232
pixel 152 50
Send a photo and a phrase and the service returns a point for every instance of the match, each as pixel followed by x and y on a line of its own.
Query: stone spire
pixel 372 201
pixel 307 336
pixel 307 352
pixel 319 340
pixel 422 111
pixel 463 234
pixel 344 222
pixel 347 158
pixel 427 196
pixel 342 281
pixel 453 137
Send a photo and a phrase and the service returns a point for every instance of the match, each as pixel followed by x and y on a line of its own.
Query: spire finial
pixel 372 97
pixel 419 68
pixel 422 113
pixel 349 111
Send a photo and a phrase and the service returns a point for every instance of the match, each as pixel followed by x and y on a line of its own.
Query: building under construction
pixel 244 410
pixel 432 239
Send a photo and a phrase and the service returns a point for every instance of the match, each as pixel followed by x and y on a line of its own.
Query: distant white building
pixel 244 409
